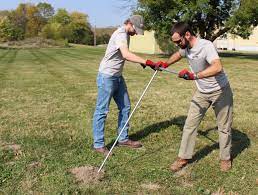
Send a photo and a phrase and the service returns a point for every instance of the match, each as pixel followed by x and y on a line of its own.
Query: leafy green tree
pixel 103 39
pixel 81 29
pixel 62 17
pixel 58 26
pixel 73 27
pixel 27 18
pixel 18 17
pixel 4 13
pixel 51 31
pixel 209 18
pixel 9 31
pixel 46 11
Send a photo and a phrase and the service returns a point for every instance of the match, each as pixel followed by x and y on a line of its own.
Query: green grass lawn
pixel 47 101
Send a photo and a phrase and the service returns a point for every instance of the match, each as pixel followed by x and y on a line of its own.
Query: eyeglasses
pixel 179 41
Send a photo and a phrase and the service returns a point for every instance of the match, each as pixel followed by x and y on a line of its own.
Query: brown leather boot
pixel 225 165
pixel 178 164
pixel 130 143
pixel 102 150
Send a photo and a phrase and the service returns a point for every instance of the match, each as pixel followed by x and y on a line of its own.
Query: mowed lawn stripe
pixel 58 70
pixel 7 64
pixel 5 52
pixel 85 62
pixel 75 55
pixel 79 73
pixel 63 63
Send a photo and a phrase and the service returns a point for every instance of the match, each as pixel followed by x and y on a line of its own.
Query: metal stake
pixel 128 120
pixel 167 70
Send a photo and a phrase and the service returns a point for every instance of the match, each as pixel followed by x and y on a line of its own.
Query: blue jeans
pixel 108 87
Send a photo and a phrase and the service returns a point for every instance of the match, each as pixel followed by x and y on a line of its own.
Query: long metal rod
pixel 167 70
pixel 127 121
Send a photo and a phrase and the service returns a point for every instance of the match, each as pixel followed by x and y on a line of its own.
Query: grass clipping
pixel 87 174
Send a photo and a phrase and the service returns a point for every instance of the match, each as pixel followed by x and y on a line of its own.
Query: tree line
pixel 210 19
pixel 30 20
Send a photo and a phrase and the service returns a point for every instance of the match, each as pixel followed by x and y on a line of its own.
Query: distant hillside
pixel 108 30
pixel 35 42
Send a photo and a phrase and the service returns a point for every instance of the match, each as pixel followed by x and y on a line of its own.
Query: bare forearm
pixel 131 56
pixel 134 58
pixel 174 58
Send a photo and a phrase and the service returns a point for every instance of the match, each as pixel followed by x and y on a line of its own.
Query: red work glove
pixel 162 64
pixel 150 63
pixel 186 75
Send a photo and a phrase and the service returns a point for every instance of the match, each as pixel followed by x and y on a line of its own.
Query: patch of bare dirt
pixel 14 147
pixel 87 174
pixel 221 191
pixel 187 183
pixel 151 186
pixel 34 165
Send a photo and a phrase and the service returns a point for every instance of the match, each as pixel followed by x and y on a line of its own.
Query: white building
pixel 236 43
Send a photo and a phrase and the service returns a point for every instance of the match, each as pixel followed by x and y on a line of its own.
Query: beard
pixel 185 45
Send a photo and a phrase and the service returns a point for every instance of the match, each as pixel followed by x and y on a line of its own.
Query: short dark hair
pixel 127 21
pixel 181 28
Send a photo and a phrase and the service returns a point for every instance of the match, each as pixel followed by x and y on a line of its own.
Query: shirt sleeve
pixel 182 52
pixel 211 53
pixel 121 40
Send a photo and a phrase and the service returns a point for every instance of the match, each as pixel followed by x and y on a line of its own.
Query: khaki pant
pixel 222 104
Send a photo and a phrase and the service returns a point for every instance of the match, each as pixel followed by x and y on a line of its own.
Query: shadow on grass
pixel 252 56
pixel 157 127
pixel 240 140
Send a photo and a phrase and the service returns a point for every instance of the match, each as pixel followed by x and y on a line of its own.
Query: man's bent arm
pixel 174 58
pixel 212 70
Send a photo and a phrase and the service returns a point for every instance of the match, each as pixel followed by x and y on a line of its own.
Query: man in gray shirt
pixel 111 83
pixel 213 89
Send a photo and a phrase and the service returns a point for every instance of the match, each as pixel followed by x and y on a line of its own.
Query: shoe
pixel 178 164
pixel 225 165
pixel 130 143
pixel 102 150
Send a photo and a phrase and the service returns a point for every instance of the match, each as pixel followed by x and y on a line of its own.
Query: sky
pixel 102 13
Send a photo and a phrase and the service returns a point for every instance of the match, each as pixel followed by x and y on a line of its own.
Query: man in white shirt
pixel 213 89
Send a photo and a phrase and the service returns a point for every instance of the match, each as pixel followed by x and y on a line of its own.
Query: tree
pixel 34 21
pixel 28 20
pixel 4 13
pixel 9 31
pixel 27 17
pixel 209 18
pixel 81 29
pixel 73 27
pixel 103 39
pixel 62 16
pixel 46 11
pixel 18 17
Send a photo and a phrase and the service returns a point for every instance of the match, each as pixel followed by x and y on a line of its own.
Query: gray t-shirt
pixel 199 58
pixel 113 61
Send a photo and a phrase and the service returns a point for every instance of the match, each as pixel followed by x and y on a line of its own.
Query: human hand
pixel 187 75
pixel 152 64
pixel 162 64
